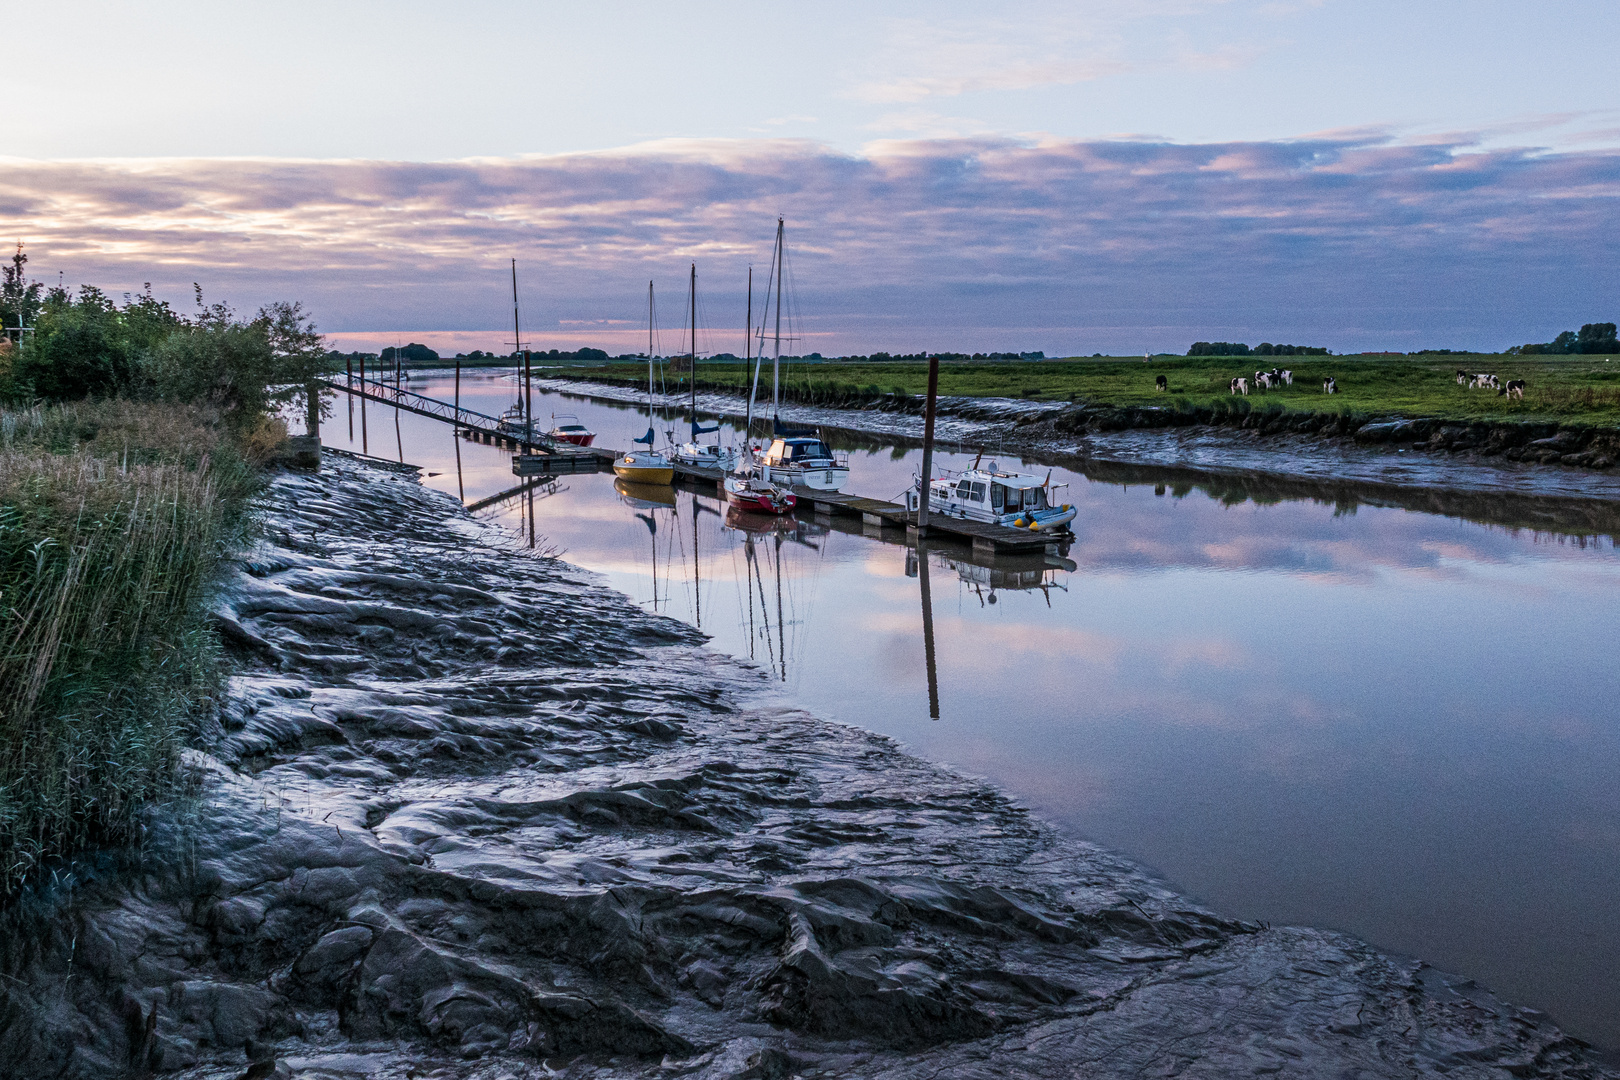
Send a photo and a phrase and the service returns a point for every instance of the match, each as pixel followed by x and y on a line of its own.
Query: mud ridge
pixel 470 813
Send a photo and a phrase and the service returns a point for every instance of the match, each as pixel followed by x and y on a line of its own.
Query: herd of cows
pixel 1512 388
pixel 1267 380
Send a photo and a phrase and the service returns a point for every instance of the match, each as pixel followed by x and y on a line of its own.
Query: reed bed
pixel 112 520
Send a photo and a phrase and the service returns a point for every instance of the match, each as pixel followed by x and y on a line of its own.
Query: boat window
pixel 822 450
pixel 1035 498
pixel 978 493
pixel 998 495
pixel 964 489
pixel 1015 500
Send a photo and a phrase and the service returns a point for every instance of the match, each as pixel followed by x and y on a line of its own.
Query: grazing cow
pixel 1482 382
pixel 1239 385
pixel 1287 377
pixel 1262 381
pixel 1161 383
pixel 1513 389
pixel 1464 377
pixel 1276 376
pixel 1330 385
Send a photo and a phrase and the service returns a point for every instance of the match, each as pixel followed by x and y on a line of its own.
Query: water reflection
pixel 1330 704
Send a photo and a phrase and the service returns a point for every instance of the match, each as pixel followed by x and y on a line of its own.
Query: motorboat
pixel 575 432
pixel 1017 500
pixel 804 460
pixel 748 490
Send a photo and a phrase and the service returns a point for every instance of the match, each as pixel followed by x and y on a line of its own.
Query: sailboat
pixel 646 466
pixel 692 452
pixel 515 420
pixel 796 456
pixel 749 487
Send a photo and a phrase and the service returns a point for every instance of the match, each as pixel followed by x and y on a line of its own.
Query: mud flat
pixel 470 813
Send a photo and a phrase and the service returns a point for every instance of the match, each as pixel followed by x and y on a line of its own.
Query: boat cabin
pixel 799 450
pixel 1003 494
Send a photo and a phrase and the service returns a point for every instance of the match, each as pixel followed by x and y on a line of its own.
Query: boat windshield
pixel 1014 499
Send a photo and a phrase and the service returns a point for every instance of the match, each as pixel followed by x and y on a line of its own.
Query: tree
pixel 20 300
pixel 1597 338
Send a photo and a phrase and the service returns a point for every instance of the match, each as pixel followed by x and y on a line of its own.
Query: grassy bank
pixel 113 516
pixel 1564 389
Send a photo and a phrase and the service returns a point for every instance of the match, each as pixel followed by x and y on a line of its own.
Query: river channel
pixel 1393 723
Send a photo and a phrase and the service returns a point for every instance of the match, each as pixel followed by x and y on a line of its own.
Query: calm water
pixel 1400 725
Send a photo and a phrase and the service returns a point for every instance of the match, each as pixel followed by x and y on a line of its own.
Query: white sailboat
pixel 692 452
pixel 796 456
pixel 749 487
pixel 646 466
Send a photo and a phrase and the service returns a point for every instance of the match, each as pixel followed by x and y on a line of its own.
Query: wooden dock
pixel 876 513
pixel 470 424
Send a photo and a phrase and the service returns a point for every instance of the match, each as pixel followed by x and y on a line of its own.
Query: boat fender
pixel 1018 523
pixel 1035 525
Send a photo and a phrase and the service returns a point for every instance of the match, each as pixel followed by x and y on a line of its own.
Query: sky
pixel 1079 177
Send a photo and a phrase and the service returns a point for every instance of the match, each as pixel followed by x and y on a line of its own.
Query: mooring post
pixel 928 446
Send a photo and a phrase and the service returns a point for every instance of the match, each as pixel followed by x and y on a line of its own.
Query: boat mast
pixel 748 354
pixel 650 381
pixel 776 358
pixel 517 343
pixel 693 290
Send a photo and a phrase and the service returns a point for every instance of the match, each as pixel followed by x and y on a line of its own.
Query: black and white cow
pixel 1287 377
pixel 1513 389
pixel 1161 383
pixel 1464 377
pixel 1330 385
pixel 1239 385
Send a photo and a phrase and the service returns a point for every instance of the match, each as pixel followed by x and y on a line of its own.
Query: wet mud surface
pixel 469 813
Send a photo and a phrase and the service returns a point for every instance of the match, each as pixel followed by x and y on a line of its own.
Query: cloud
pixel 1349 239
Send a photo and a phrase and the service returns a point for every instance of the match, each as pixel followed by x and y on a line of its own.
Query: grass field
pixel 1567 389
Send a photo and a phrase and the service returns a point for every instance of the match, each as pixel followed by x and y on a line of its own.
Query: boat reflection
pixel 645 496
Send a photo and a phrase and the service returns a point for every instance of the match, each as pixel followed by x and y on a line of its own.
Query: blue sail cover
pixel 699 429
pixel 788 430
pixel 647 438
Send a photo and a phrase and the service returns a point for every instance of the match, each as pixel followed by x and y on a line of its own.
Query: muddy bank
pixel 1241 462
pixel 468 813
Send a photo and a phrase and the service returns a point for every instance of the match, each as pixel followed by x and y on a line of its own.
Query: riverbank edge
pixel 1542 442
pixel 1563 1050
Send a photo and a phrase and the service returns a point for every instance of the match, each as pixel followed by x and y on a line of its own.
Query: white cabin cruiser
pixel 806 460
pixel 1017 500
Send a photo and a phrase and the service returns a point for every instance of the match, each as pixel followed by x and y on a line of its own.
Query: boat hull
pixel 831 478
pixel 746 498
pixel 577 440
pixel 639 472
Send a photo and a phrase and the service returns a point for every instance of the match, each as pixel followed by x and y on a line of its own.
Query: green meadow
pixel 1580 389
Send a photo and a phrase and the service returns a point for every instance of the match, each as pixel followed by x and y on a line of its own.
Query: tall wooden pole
pixel 928 445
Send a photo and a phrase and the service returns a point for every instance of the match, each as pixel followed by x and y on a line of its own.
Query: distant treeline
pixel 1265 348
pixel 1591 338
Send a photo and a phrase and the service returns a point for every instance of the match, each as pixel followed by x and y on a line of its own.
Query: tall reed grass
pixel 112 519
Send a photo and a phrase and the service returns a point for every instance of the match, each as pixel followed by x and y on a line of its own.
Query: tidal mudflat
pixel 471 813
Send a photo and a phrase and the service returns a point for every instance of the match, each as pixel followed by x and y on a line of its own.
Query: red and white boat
pixel 747 490
pixel 575 432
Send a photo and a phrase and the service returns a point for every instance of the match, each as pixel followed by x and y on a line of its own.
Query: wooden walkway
pixel 470 424
pixel 875 512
